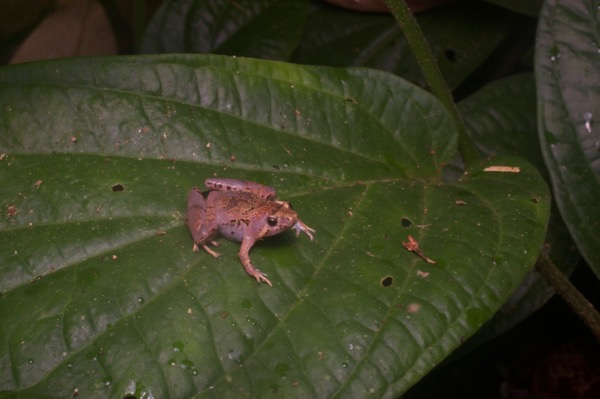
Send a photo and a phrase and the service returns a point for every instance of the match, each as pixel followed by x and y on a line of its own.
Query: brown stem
pixel 578 303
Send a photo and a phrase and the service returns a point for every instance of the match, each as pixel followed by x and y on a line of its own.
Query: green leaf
pixel 568 86
pixel 501 119
pixel 268 29
pixel 461 37
pixel 102 295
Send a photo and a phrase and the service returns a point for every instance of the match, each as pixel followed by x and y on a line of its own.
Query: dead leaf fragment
pixel 503 169
pixel 413 246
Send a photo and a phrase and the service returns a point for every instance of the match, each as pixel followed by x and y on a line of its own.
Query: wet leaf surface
pixel 102 295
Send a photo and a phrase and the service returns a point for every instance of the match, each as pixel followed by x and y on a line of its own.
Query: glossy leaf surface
pixel 501 119
pixel 103 297
pixel 568 87
pixel 268 29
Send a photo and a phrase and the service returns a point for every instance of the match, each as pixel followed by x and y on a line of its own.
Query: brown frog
pixel 242 211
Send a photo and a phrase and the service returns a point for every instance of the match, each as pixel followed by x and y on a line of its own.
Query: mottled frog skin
pixel 242 211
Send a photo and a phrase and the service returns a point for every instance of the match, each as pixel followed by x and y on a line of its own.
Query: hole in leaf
pixel 387 281
pixel 129 396
pixel 450 55
pixel 117 188
pixel 405 222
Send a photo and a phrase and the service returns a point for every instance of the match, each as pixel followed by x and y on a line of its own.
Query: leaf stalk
pixel 417 42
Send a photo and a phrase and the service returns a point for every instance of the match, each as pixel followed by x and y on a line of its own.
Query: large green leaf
pixel 268 29
pixel 103 297
pixel 568 82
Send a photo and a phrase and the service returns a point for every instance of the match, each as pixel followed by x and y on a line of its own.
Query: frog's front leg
pixel 243 186
pixel 299 226
pixel 247 244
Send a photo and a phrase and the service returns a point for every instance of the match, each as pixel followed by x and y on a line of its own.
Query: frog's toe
pixel 210 251
pixel 261 277
pixel 299 226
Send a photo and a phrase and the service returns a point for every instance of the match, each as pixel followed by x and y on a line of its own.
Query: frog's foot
pixel 301 227
pixel 260 276
pixel 207 249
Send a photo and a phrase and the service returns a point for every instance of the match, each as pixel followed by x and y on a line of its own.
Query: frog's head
pixel 280 217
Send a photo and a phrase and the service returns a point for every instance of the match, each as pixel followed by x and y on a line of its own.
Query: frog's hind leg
pixel 242 186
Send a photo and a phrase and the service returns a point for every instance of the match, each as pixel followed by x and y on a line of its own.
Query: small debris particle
pixel 224 315
pixel 413 246
pixel 413 307
pixel 160 232
pixel 75 392
pixel 588 118
pixel 321 355
pixel 143 130
pixel 12 210
pixel 189 310
pixel 370 254
pixel 232 158
pixel 114 257
pixel 423 274
pixel 73 139
pixel 350 213
pixel 3 156
pixel 503 169
pixel 460 202
pixel 38 183
pixel 208 145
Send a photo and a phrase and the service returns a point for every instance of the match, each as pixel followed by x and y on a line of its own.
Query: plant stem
pixel 581 306
pixel 432 73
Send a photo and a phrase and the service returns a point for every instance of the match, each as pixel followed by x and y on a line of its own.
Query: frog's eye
pixel 272 221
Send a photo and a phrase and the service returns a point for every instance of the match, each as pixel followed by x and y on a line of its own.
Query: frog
pixel 242 211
